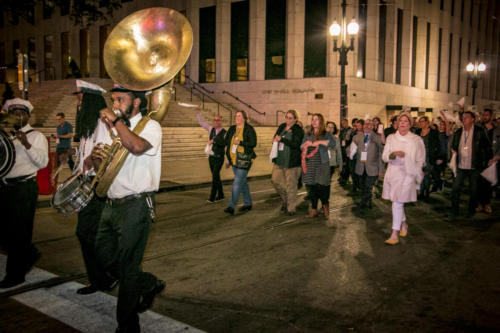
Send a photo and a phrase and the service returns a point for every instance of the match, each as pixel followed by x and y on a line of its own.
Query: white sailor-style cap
pixel 18 103
pixel 88 88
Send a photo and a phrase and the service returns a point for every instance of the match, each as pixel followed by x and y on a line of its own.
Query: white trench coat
pixel 403 175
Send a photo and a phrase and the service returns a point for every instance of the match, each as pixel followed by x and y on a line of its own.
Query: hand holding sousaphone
pixel 143 52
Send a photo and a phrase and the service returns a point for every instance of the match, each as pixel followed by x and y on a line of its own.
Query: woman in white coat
pixel 405 154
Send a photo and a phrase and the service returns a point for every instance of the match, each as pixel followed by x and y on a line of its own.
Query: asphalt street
pixel 263 271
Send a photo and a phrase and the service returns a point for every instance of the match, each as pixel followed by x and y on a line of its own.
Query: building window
pixel 84 52
pixel 315 38
pixel 440 48
pixel 1 19
pixel 471 12
pixel 462 11
pixel 65 70
pixel 361 72
pixel 64 7
pixel 103 35
pixel 441 5
pixel 479 12
pixel 207 45
pixel 30 15
pixel 275 39
pixel 381 40
pixel 239 41
pixel 48 8
pixel 399 45
pixel 414 50
pixel 459 69
pixel 31 53
pixel 452 7
pixel 450 56
pixel 427 51
pixel 48 45
pixel 16 48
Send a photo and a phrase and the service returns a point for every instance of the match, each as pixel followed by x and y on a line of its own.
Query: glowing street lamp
pixel 338 31
pixel 475 70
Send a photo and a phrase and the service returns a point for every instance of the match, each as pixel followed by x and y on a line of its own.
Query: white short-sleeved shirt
pixel 140 173
pixel 29 161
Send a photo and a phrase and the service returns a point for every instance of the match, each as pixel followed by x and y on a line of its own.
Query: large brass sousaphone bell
pixel 7 150
pixel 147 48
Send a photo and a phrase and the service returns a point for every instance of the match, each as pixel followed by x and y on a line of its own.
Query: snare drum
pixel 72 195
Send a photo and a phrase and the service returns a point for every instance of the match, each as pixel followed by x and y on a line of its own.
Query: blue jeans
pixel 240 185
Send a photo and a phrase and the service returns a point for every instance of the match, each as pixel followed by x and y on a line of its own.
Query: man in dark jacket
pixel 473 151
pixel 345 140
pixel 286 168
pixel 432 153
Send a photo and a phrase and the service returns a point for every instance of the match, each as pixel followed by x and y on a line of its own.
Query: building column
pixel 223 40
pixel 433 56
pixel 193 16
pixel 445 56
pixel 257 43
pixel 406 44
pixel 391 44
pixel 295 18
pixel 454 65
pixel 332 58
pixel 420 53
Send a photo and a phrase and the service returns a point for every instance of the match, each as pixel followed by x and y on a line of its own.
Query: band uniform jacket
pixel 374 164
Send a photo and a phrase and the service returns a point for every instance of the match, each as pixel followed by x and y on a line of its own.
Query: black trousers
pixel 18 204
pixel 356 185
pixel 86 231
pixel 67 152
pixel 344 175
pixel 120 243
pixel 485 191
pixel 216 163
pixel 473 176
pixel 318 192
pixel 367 183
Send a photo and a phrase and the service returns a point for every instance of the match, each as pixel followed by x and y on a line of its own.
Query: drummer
pixel 88 127
pixel 19 194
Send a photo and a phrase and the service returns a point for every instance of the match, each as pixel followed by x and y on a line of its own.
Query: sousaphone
pixel 7 149
pixel 144 52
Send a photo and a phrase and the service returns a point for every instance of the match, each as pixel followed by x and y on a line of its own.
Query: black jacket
pixel 481 147
pixel 433 147
pixel 294 143
pixel 219 142
pixel 249 140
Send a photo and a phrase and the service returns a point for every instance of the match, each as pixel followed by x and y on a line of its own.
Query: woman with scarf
pixel 316 164
pixel 405 154
pixel 241 139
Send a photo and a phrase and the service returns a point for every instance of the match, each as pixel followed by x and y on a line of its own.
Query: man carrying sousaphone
pixel 19 194
pixel 128 213
pixel 88 127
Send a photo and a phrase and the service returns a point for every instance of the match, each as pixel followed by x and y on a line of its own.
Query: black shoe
pixel 36 256
pixel 87 290
pixel 110 286
pixel 451 218
pixel 229 210
pixel 245 208
pixel 9 282
pixel 148 297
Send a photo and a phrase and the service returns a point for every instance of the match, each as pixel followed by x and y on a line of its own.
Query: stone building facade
pixel 276 54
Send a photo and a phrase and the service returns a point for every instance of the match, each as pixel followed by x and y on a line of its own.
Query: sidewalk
pixel 188 173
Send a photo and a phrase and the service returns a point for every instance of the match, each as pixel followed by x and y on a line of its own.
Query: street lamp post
pixel 337 31
pixel 475 72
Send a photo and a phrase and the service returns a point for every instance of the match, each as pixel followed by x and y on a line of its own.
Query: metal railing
pixel 278 112
pixel 244 103
pixel 202 91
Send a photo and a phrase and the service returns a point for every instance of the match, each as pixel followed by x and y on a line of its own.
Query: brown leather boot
pixel 326 210
pixel 313 213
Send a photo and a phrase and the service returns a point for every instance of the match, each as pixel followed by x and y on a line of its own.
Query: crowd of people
pixel 405 161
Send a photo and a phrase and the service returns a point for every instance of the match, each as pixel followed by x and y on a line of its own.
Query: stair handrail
pixel 244 103
pixel 196 84
pixel 278 112
pixel 219 104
